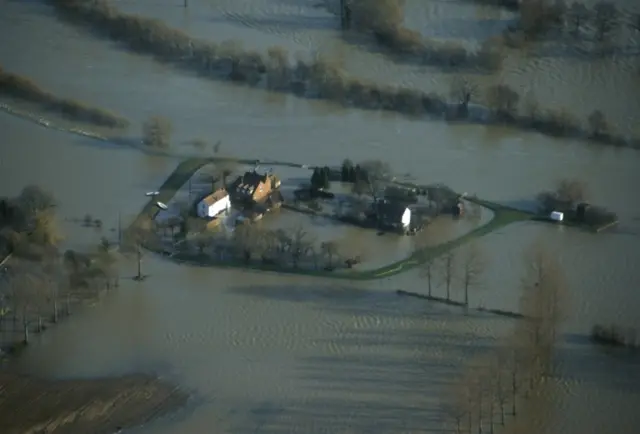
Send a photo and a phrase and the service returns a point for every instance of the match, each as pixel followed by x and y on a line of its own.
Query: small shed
pixel 556 216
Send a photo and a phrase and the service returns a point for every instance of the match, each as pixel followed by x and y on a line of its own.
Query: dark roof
pixel 390 210
pixel 251 178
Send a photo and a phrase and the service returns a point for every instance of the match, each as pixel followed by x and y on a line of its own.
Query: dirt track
pixel 100 406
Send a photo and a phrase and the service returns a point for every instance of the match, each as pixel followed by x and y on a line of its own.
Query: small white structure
pixel 214 204
pixel 162 205
pixel 557 216
pixel 152 193
pixel 394 214
pixel 406 218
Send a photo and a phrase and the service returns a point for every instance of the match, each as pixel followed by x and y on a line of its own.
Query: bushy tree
pixel 156 132
pixel 503 100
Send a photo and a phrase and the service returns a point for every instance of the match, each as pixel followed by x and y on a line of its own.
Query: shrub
pixel 559 122
pixel 156 132
pixel 567 194
pixel 614 335
pixel 598 124
pixel 503 101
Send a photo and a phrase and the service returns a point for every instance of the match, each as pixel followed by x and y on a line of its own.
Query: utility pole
pixel 186 3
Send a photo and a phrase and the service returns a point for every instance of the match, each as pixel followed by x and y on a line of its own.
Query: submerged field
pixel 269 353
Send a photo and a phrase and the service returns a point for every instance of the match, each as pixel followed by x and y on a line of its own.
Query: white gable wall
pixel 208 211
pixel 406 218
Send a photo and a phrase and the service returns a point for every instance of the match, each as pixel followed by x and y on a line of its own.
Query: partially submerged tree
pixel 578 14
pixel 447 268
pixel 473 266
pixel 606 19
pixel 598 124
pixel 330 250
pixel 503 101
pixel 462 90
pixel 156 132
pixel 544 303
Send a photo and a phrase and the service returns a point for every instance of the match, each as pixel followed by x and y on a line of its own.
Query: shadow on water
pixel 617 369
pixel 335 415
pixel 379 375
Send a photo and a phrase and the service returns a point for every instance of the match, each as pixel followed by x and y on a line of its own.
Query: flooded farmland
pixel 271 354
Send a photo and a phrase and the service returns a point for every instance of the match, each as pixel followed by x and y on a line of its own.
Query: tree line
pixel 249 243
pixel 497 383
pixel 603 18
pixel 316 78
pixel 39 283
pixel 23 88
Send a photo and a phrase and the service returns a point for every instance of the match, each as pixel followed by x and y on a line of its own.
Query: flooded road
pixel 268 353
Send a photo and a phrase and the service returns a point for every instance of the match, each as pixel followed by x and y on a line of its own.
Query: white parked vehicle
pixel 161 205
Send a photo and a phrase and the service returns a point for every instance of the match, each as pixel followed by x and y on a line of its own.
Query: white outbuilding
pixel 214 204
pixel 557 216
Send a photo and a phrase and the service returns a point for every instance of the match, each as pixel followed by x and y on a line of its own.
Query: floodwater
pixel 269 353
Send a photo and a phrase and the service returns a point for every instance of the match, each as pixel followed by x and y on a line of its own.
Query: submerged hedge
pixel 317 78
pixel 22 88
pixel 385 20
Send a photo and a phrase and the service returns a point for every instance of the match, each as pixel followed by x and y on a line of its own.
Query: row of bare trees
pixel 494 384
pixel 295 248
pixel 38 283
pixel 465 268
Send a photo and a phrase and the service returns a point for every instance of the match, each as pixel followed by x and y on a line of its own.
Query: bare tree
pixel 429 272
pixel 456 408
pixel 544 302
pixel 606 19
pixel 330 249
pixel 447 268
pixel 156 132
pixel 245 241
pixel 462 90
pixel 299 244
pixel 473 266
pixel 578 15
pixel 23 286
pixel 598 124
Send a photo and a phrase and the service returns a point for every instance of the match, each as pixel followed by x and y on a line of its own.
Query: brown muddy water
pixel 272 354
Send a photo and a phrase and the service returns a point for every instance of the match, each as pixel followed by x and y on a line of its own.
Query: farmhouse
pixel 392 214
pixel 253 187
pixel 214 204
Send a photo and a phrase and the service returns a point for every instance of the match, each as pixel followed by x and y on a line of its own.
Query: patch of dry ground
pixel 31 406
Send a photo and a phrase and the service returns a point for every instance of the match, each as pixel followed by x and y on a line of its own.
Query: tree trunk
pixel 26 331
pixel 514 390
pixel 55 310
pixel 480 413
pixel 466 296
pixel 39 323
pixel 491 416
pixel 139 277
pixel 68 306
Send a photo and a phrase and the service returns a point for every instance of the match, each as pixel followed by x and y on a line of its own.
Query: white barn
pixel 214 204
